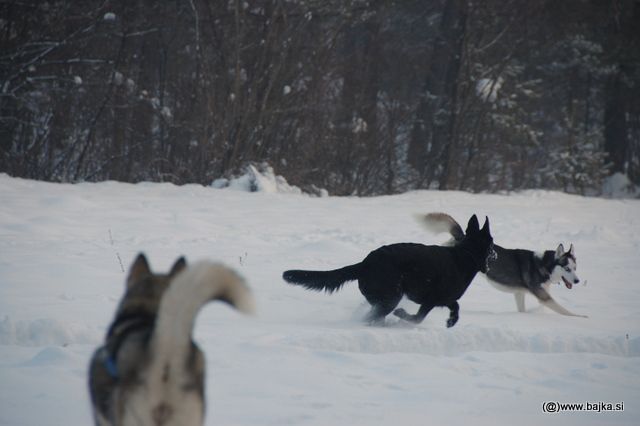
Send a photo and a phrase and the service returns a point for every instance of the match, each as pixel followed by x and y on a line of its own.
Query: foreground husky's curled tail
pixel 191 289
pixel 518 271
pixel 150 372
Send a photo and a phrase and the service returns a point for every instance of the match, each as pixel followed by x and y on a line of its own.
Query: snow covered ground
pixel 305 359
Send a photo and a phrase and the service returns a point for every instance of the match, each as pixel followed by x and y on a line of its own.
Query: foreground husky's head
pixel 480 242
pixel 564 267
pixel 145 288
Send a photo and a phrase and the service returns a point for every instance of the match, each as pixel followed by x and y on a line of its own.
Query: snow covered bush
pixel 262 178
pixel 619 185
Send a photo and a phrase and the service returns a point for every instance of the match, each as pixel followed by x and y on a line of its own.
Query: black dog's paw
pixel 401 313
pixel 451 322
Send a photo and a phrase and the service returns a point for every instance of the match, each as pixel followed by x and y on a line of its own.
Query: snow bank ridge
pixel 470 339
pixel 42 332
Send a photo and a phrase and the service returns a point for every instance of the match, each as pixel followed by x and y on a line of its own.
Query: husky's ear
pixel 473 225
pixel 139 269
pixel 178 266
pixel 572 252
pixel 485 227
pixel 559 251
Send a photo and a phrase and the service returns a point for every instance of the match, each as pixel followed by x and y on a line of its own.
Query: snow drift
pixel 307 359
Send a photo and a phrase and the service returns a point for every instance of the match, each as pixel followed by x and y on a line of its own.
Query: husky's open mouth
pixel 567 283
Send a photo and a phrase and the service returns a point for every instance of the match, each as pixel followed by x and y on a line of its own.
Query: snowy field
pixel 305 359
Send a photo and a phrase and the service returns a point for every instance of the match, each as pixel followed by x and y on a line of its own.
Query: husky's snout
pixel 568 284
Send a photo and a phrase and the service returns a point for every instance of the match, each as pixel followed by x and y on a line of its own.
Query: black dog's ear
pixel 485 227
pixel 178 266
pixel 139 269
pixel 473 225
pixel 559 251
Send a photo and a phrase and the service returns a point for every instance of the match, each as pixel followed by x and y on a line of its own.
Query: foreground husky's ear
pixel 473 225
pixel 178 266
pixel 572 251
pixel 559 251
pixel 485 227
pixel 139 269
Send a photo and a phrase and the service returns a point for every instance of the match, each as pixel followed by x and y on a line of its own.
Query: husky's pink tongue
pixel 567 283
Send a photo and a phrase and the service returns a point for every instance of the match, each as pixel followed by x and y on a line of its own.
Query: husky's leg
pixel 454 308
pixel 548 301
pixel 519 300
pixel 417 318
pixel 554 306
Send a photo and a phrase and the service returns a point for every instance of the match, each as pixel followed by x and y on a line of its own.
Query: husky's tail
pixel 441 222
pixel 328 281
pixel 191 289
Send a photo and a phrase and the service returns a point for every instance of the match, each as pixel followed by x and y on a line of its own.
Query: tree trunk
pixel 616 141
pixel 429 150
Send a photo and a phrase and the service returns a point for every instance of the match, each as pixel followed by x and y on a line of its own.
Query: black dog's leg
pixel 453 315
pixel 380 310
pixel 402 314
pixel 417 318
pixel 376 315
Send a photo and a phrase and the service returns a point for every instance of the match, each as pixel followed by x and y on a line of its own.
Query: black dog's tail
pixel 328 281
pixel 442 222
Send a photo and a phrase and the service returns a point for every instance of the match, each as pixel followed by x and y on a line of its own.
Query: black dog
pixel 428 275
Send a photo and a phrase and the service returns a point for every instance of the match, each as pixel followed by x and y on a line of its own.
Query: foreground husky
pixel 519 271
pixel 150 372
pixel 428 275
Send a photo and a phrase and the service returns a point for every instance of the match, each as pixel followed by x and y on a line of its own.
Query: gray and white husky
pixel 519 271
pixel 150 371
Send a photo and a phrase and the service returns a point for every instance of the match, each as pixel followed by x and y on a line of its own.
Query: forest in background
pixel 358 97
